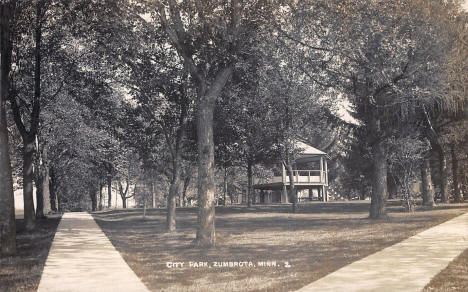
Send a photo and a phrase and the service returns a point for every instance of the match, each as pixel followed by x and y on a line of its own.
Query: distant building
pixel 310 176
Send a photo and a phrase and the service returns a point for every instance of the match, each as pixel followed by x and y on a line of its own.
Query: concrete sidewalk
pixel 83 259
pixel 405 266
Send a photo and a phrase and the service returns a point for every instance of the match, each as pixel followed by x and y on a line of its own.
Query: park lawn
pixel 453 278
pixel 23 271
pixel 320 239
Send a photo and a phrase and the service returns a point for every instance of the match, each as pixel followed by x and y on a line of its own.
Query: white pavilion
pixel 310 173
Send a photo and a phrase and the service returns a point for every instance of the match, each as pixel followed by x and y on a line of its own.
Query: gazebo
pixel 310 172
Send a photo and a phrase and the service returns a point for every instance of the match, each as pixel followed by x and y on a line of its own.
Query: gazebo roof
pixel 308 150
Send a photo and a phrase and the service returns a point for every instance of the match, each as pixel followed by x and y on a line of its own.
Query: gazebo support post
pixel 284 194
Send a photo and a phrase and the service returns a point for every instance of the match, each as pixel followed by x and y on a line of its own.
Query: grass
pixel 22 272
pixel 318 240
pixel 453 278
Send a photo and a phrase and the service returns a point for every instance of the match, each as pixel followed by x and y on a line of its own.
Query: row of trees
pixel 415 108
pixel 139 92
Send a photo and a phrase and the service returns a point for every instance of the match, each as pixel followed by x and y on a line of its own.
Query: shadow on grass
pixel 319 239
pixel 304 208
pixel 23 271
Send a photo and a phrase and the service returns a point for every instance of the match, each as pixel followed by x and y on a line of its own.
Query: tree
pixel 129 170
pixel 442 121
pixel 457 196
pixel 304 84
pixel 171 123
pixel 145 128
pixel 392 67
pixel 160 89
pixel 405 156
pixel 123 192
pixel 38 43
pixel 457 82
pixel 210 47
pixel 29 136
pixel 7 208
pixel 426 180
pixel 77 148
pixel 42 178
pixel 433 132
pixel 244 123
pixel 358 166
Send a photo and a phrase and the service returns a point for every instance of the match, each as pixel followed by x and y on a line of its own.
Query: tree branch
pixel 219 82
pixel 177 35
pixel 17 116
pixel 284 33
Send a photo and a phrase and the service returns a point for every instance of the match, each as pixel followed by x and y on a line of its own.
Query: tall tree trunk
pixel 28 154
pixel 153 194
pixel 109 191
pixel 39 196
pixel 123 193
pixel 427 188
pixel 52 187
pixel 379 184
pixel 174 189
pixel 30 137
pixel 7 199
pixel 59 196
pixel 465 188
pixel 184 190
pixel 362 195
pixel 45 175
pixel 207 96
pixel 92 195
pixel 208 92
pixel 206 235
pixel 437 146
pixel 100 195
pixel 392 187
pixel 46 189
pixel 42 182
pixel 225 186
pixel 35 112
pixel 144 207
pixel 456 181
pixel 407 193
pixel 175 186
pixel 249 184
pixel 171 203
pixel 465 182
pixel 292 187
pixel 230 194
pixel 444 193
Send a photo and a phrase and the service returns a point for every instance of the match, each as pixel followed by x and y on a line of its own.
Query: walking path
pixel 405 266
pixel 83 259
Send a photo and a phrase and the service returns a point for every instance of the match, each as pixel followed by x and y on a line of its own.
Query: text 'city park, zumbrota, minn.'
pixel 228 264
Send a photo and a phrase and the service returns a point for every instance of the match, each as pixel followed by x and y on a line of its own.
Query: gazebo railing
pixel 307 176
pixel 299 176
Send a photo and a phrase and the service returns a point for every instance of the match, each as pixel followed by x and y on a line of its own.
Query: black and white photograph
pixel 233 145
